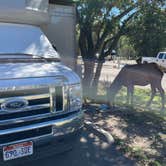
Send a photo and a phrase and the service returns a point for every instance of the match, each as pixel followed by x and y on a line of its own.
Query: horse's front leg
pixel 110 99
pixel 130 94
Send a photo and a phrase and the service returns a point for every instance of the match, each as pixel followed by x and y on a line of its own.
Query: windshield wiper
pixel 17 54
pixel 35 58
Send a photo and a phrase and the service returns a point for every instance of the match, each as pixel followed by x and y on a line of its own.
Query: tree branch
pixel 101 39
pixel 113 40
pixel 119 34
pixel 118 17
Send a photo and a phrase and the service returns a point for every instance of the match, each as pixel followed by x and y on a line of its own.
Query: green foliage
pixel 125 49
pixel 147 30
pixel 101 24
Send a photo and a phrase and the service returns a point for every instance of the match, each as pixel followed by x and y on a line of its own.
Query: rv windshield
pixel 16 39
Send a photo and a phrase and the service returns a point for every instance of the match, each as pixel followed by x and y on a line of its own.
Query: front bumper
pixel 65 131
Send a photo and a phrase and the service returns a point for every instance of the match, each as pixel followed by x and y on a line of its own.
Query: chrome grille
pixel 38 99
pixel 39 109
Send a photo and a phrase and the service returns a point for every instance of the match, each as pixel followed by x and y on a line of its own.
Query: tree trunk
pixel 88 76
pixel 96 79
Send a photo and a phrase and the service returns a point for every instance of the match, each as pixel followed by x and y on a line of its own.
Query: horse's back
pixel 150 69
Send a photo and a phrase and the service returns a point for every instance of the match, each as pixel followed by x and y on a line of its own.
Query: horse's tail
pixel 161 69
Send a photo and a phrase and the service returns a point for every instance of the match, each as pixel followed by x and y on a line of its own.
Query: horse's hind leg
pixel 132 95
pixel 128 96
pixel 162 93
pixel 153 93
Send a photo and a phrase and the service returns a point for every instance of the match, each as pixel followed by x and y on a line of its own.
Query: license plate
pixel 17 151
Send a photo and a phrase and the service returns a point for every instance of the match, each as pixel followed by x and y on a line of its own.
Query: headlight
pixel 75 96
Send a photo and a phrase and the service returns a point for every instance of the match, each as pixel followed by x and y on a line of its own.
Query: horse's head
pixel 110 97
pixel 112 91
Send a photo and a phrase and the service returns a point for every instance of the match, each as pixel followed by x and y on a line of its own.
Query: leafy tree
pixel 101 24
pixel 147 30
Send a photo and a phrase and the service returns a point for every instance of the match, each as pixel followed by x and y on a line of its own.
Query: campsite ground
pixel 139 134
pixel 139 140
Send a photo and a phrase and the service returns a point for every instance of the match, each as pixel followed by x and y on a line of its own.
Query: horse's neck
pixel 116 86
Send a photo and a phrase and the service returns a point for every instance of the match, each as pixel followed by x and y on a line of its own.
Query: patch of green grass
pixel 139 154
pixel 141 98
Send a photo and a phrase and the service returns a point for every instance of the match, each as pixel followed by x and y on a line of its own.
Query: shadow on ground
pixel 143 131
pixel 92 150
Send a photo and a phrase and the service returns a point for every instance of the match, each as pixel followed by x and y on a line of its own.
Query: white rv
pixel 56 18
pixel 40 98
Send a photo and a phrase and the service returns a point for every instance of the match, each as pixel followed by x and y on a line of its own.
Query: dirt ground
pixel 92 150
pixel 139 135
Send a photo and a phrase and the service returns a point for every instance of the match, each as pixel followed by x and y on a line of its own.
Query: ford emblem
pixel 14 104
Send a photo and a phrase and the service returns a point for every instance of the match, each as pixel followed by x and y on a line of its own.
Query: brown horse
pixel 138 74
